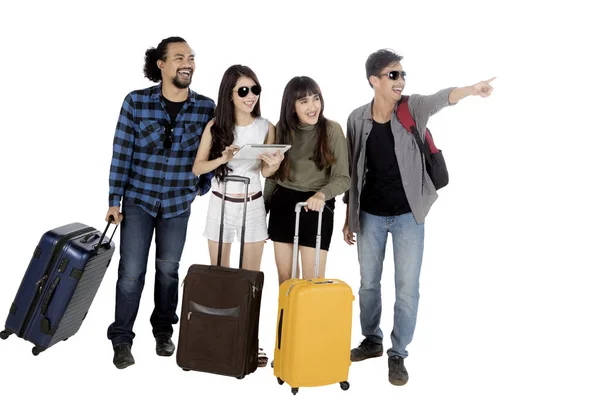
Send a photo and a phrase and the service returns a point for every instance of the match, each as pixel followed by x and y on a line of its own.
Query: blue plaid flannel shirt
pixel 142 171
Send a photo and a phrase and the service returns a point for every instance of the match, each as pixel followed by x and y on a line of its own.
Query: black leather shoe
pixel 164 346
pixel 366 349
pixel 123 357
pixel 397 372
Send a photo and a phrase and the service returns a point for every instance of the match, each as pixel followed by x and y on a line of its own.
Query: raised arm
pixel 482 89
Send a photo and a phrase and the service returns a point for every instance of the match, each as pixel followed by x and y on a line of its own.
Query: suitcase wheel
pixel 4 335
pixel 344 385
pixel 185 369
pixel 294 391
pixel 36 350
pixel 280 381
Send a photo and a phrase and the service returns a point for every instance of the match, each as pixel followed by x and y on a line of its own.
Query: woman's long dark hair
pixel 224 125
pixel 297 88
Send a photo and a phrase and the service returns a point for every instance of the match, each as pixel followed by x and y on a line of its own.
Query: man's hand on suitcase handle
pixel 316 202
pixel 117 217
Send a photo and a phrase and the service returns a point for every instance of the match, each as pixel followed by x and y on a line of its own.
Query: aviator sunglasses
pixel 244 90
pixel 394 75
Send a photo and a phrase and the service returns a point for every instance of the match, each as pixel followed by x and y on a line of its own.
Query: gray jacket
pixel 420 194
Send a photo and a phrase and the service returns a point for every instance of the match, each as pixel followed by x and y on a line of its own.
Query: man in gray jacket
pixel 389 193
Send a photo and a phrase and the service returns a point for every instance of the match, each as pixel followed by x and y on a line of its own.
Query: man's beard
pixel 178 84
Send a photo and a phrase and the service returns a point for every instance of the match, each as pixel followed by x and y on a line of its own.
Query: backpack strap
pixel 408 122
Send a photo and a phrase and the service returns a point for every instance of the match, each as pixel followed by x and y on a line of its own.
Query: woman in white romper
pixel 237 122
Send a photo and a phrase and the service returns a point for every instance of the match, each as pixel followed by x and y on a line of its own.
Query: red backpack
pixel 434 159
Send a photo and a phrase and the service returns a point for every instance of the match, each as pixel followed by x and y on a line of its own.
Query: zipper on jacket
pixel 41 283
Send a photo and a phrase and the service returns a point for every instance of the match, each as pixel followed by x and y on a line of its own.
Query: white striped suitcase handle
pixel 298 210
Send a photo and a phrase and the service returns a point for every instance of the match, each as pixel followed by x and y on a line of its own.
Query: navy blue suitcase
pixel 59 285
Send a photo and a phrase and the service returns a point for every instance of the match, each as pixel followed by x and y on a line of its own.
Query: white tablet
pixel 253 151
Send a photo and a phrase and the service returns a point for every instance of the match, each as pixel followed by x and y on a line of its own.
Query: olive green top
pixel 304 174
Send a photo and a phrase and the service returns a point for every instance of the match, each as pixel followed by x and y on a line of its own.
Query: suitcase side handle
pixel 246 181
pixel 49 295
pixel 298 210
pixel 279 329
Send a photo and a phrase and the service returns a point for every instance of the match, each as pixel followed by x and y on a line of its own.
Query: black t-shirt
pixel 173 108
pixel 383 193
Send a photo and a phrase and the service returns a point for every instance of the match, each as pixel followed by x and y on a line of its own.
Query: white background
pixel 509 285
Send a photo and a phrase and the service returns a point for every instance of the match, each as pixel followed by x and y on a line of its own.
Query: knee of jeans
pixel 370 284
pixel 125 280
pixel 167 267
pixel 408 292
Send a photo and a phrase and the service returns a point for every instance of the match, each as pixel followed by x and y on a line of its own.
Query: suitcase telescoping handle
pixel 298 210
pixel 110 220
pixel 246 181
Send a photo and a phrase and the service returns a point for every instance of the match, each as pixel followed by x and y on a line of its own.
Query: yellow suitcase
pixel 314 324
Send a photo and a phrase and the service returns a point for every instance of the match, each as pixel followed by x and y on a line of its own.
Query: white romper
pixel 256 224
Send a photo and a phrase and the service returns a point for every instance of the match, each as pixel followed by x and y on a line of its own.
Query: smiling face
pixel 389 83
pixel 178 66
pixel 308 109
pixel 244 94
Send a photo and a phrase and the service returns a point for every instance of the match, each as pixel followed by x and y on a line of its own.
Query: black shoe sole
pixel 398 382
pixel 123 366
pixel 165 353
pixel 374 355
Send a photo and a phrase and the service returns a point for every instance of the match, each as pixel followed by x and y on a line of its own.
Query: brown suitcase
pixel 220 313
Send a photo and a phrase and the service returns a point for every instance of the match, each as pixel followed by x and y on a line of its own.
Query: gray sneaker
pixel 397 372
pixel 366 349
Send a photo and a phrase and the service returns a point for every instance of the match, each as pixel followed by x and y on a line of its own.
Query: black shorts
pixel 282 219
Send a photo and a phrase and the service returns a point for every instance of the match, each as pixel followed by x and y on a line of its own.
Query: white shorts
pixel 256 220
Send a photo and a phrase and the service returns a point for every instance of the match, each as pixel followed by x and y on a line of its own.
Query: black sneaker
pixel 397 372
pixel 164 346
pixel 123 357
pixel 366 349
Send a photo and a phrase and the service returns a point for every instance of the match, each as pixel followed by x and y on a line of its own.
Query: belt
pixel 239 199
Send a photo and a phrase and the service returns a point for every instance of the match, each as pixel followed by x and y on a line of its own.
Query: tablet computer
pixel 253 151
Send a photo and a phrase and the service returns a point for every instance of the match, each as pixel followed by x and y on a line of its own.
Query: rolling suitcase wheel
pixel 294 391
pixel 4 335
pixel 36 350
pixel 344 385
pixel 280 381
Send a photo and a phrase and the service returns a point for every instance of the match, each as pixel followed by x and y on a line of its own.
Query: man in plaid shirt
pixel 152 187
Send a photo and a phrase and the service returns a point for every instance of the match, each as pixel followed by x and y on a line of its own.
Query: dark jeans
pixel 137 228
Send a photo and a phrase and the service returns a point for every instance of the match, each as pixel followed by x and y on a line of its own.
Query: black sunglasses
pixel 394 75
pixel 244 90
pixel 168 142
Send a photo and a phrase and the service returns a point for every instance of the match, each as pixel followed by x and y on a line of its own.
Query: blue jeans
pixel 407 239
pixel 137 228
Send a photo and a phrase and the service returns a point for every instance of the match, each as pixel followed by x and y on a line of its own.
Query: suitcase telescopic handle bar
pixel 110 220
pixel 298 210
pixel 246 181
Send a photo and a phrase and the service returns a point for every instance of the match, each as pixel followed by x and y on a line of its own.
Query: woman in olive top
pixel 314 170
